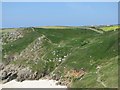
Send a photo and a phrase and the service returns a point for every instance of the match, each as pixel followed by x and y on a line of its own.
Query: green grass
pixel 21 43
pixel 109 28
pixel 84 49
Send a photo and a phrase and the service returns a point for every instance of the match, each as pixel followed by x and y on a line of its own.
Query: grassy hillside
pixel 109 28
pixel 59 51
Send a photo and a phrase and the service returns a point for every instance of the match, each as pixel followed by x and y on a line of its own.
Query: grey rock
pixel 3 75
pixel 24 74
pixel 2 66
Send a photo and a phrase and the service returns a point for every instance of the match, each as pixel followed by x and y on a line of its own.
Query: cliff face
pixel 72 56
pixel 11 72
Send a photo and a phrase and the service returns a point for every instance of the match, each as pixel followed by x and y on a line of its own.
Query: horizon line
pixel 61 26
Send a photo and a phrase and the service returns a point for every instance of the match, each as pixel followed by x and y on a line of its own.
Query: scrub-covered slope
pixel 76 56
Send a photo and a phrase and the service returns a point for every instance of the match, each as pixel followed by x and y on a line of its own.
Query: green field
pixel 109 28
pixel 56 51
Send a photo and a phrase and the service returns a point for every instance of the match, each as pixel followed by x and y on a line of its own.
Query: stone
pixel 3 75
pixel 2 66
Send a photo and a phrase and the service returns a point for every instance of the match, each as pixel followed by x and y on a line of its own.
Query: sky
pixel 29 14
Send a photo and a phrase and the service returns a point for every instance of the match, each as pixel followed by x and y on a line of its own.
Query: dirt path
pixel 99 77
pixel 101 32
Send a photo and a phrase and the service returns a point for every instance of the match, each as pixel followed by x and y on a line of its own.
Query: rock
pixel 54 77
pixel 2 66
pixel 24 74
pixel 11 77
pixel 59 83
pixel 3 75
pixel 8 73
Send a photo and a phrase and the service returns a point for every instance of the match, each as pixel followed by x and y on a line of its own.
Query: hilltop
pixel 82 57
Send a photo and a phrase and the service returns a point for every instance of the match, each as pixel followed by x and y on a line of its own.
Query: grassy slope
pixel 85 49
pixel 109 28
pixel 99 51
pixel 22 43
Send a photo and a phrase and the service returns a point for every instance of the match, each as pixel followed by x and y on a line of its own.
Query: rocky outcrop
pixel 33 51
pixel 8 73
pixel 12 36
pixel 19 73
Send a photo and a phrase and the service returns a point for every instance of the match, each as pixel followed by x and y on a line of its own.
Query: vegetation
pixel 60 50
pixel 109 28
